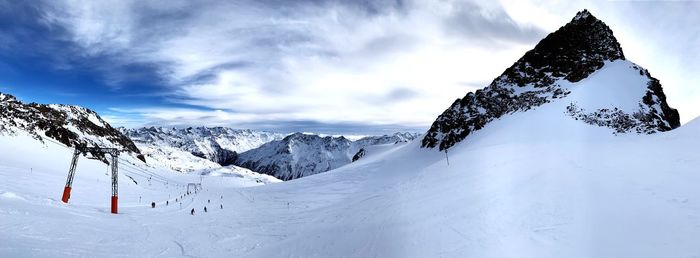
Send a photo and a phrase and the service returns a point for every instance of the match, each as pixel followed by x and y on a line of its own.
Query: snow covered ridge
pixel 299 155
pixel 217 144
pixel 567 56
pixel 70 125
pixel 283 156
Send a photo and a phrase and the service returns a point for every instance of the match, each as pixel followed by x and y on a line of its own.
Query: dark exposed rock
pixel 358 155
pixel 669 118
pixel 573 52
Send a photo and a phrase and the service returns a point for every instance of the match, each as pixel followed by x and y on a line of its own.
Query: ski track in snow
pixel 420 207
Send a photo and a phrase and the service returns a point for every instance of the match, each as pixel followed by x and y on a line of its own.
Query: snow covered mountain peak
pixel 217 144
pixel 572 52
pixel 69 125
pixel 6 97
pixel 582 15
pixel 551 71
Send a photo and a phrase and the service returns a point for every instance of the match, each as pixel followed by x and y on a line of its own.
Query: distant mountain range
pixel 283 156
pixel 187 149
pixel 217 144
pixel 299 155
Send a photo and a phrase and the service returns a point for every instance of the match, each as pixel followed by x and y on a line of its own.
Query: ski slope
pixel 530 184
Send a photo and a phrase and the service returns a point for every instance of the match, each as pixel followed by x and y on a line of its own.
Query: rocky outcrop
pixel 69 125
pixel 358 155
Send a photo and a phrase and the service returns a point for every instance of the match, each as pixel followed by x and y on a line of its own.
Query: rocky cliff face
pixel 568 55
pixel 70 125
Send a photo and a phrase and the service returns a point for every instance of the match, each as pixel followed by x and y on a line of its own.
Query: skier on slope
pixel 205 208
pixel 192 211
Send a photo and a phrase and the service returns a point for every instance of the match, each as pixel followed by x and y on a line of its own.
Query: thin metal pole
pixel 115 180
pixel 71 174
pixel 447 157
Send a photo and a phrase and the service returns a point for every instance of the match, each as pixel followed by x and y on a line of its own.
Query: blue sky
pixel 315 65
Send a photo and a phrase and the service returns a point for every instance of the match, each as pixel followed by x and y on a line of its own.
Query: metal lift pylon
pixel 113 164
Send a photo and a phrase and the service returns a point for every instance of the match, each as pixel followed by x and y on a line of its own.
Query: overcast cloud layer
pixel 333 66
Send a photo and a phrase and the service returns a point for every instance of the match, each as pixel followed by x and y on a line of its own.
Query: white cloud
pixel 330 62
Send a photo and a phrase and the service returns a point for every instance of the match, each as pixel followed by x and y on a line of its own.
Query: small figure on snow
pixel 166 203
pixel 192 211
pixel 222 206
pixel 153 204
pixel 205 208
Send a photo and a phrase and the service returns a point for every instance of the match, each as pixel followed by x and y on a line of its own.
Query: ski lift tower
pixel 194 186
pixel 113 152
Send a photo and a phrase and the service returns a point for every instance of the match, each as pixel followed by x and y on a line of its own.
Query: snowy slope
pixel 514 190
pixel 35 222
pixel 519 188
pixel 252 178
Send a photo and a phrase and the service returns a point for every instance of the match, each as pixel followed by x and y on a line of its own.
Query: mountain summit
pixel 572 52
pixel 550 71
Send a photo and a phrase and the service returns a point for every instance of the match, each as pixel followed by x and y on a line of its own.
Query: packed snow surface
pixel 530 184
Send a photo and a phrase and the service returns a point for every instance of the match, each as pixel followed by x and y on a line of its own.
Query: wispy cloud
pixel 335 62
pixel 377 62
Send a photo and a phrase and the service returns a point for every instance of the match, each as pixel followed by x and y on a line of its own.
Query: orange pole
pixel 114 204
pixel 66 194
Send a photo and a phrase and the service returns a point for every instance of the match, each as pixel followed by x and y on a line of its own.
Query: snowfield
pixel 530 184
